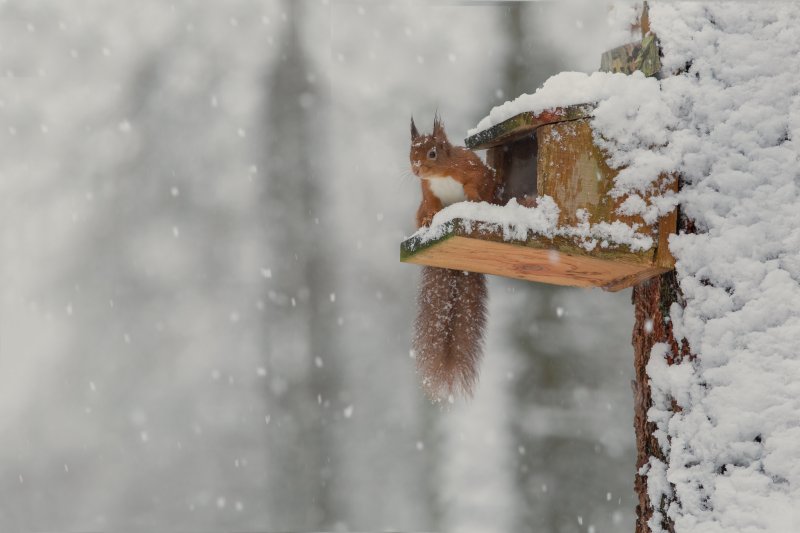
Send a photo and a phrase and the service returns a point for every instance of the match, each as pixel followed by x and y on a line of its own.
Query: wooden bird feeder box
pixel 553 153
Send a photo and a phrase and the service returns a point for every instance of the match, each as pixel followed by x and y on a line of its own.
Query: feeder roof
pixel 524 123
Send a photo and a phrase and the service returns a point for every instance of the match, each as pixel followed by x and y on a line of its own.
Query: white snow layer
pixel 565 89
pixel 729 124
pixel 517 222
pixel 732 125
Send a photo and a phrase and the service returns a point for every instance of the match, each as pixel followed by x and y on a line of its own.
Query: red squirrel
pixel 448 331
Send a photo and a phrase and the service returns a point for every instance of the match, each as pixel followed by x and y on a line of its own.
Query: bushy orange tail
pixel 448 333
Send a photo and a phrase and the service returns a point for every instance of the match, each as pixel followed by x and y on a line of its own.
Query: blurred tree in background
pixel 204 323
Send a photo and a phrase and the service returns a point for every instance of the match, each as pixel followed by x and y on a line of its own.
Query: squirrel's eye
pixel 432 153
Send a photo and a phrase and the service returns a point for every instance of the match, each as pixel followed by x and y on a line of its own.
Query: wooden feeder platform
pixel 558 261
pixel 550 153
pixel 553 153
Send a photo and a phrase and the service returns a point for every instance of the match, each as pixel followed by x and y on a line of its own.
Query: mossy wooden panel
pixel 557 261
pixel 574 172
pixel 628 58
pixel 524 123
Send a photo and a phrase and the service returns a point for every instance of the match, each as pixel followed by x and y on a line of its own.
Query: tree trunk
pixel 298 337
pixel 652 300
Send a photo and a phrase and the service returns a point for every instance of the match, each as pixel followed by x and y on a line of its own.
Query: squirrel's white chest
pixel 446 189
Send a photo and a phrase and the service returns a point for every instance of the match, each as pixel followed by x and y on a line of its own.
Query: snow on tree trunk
pixel 717 429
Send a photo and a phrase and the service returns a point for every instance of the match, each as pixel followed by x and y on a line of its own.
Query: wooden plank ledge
pixel 556 261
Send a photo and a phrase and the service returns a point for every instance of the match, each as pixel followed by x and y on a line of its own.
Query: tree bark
pixel 652 301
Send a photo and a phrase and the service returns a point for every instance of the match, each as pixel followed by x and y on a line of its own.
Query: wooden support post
pixel 652 300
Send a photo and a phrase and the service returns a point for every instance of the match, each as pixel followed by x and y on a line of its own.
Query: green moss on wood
pixel 631 57
pixel 523 123
pixel 415 244
pixel 487 232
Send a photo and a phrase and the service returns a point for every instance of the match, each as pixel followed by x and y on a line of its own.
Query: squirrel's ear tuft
pixel 438 128
pixel 414 132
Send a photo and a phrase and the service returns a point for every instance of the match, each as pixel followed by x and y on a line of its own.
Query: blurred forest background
pixel 204 324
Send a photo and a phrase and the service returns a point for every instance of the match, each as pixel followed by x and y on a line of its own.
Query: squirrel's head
pixel 430 154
